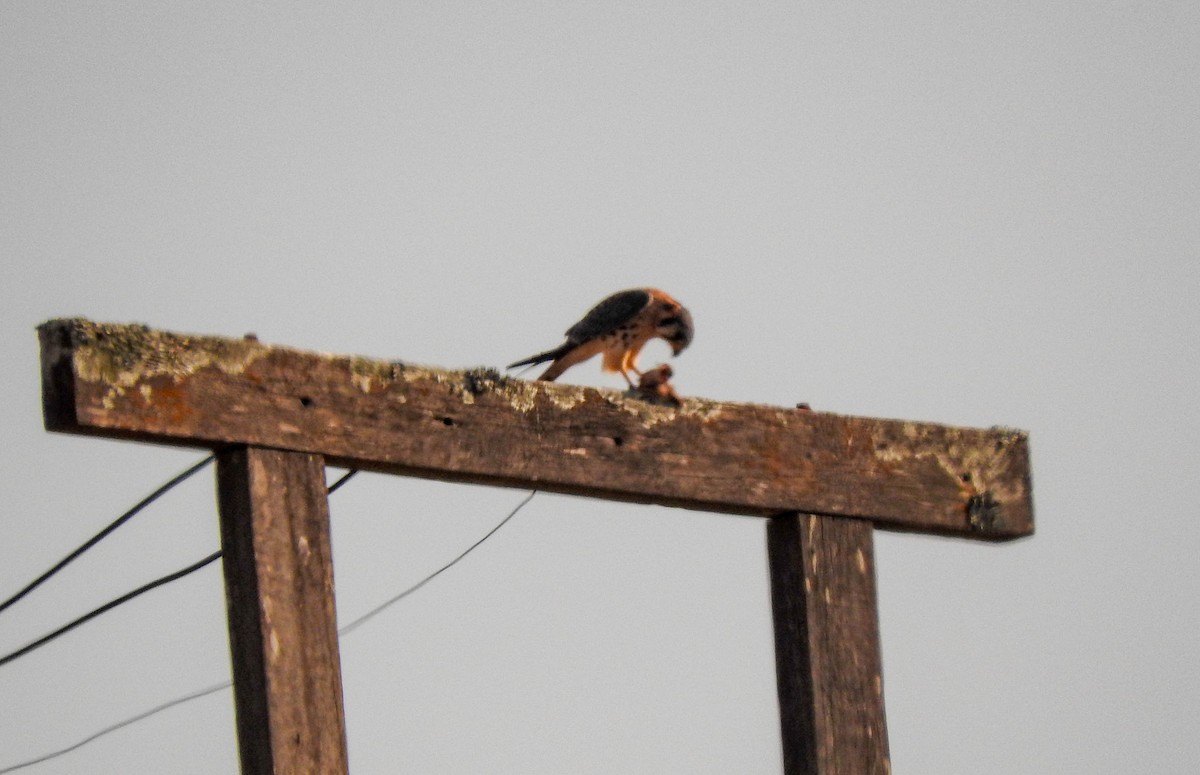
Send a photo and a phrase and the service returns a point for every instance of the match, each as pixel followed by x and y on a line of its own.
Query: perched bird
pixel 619 327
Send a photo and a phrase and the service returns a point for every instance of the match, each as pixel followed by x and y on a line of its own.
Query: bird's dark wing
pixel 606 316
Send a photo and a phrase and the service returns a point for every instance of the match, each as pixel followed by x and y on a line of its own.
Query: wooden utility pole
pixel 277 416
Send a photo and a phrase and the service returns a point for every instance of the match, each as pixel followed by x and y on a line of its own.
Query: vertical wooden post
pixel 827 646
pixel 282 625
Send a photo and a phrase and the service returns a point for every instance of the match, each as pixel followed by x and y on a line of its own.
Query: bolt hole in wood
pixel 618 441
pixel 306 402
pixel 448 422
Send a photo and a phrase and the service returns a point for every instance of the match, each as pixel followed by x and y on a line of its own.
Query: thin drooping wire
pixel 121 520
pixel 226 684
pixel 381 607
pixel 119 725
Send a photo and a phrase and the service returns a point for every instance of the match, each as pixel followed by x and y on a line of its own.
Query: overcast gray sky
pixel 968 213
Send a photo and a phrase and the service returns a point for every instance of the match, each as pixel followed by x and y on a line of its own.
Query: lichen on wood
pixel 980 469
pixel 122 355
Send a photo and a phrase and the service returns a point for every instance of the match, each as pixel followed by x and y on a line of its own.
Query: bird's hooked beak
pixel 681 337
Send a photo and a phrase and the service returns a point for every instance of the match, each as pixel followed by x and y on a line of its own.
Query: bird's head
pixel 677 329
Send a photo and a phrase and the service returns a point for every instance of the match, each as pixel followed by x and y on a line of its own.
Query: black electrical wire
pixel 397 598
pixel 140 590
pixel 195 695
pixel 121 520
pixel 111 604
pixel 331 489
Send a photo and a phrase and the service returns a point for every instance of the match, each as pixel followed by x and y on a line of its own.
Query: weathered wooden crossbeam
pixel 128 381
pixel 276 416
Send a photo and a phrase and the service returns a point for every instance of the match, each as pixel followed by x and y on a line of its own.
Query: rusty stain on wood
pixel 477 425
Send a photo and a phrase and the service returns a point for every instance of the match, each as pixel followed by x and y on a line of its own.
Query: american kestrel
pixel 619 327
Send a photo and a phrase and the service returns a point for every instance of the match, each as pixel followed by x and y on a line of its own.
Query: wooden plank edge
pixel 120 355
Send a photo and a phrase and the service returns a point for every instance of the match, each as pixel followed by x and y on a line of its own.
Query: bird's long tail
pixel 549 355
